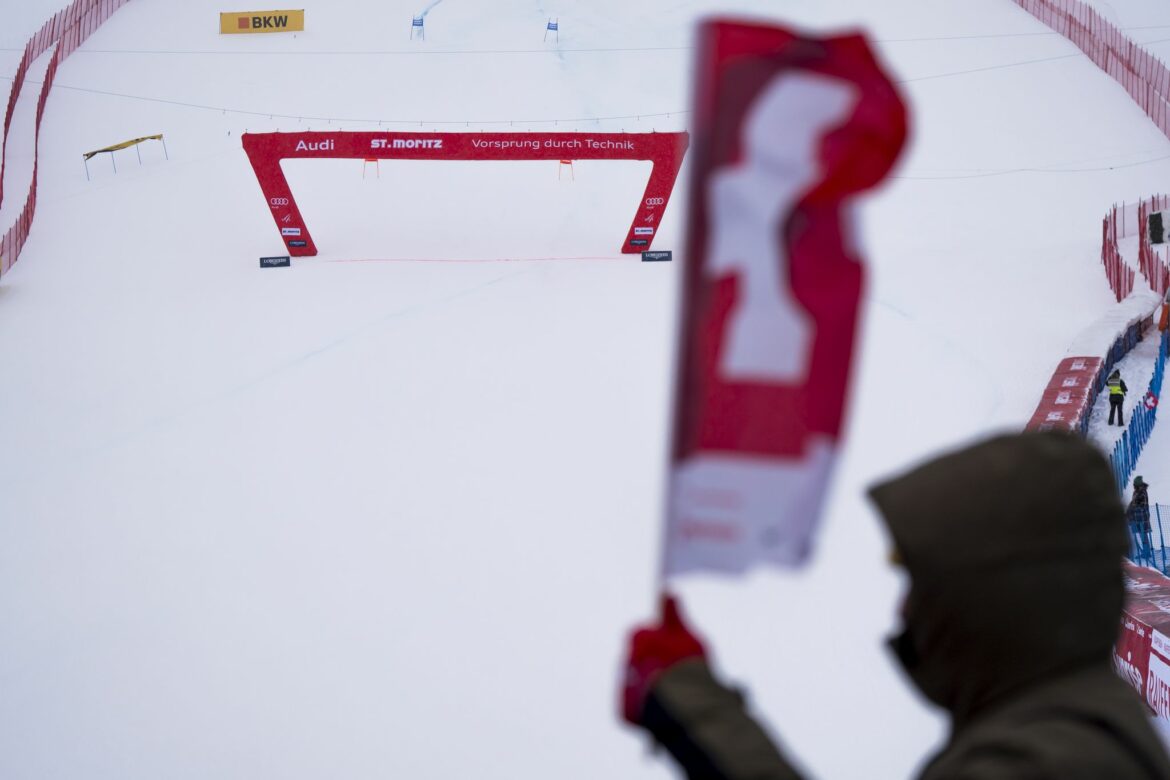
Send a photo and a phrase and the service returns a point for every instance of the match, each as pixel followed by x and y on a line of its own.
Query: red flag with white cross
pixel 788 131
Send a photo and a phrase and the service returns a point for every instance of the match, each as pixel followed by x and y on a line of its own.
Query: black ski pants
pixel 1115 402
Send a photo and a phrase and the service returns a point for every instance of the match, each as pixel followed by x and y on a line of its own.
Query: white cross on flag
pixel 788 130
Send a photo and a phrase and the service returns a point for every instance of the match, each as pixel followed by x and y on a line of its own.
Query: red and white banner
pixel 266 150
pixel 1131 655
pixel 1069 397
pixel 788 130
pixel 1142 654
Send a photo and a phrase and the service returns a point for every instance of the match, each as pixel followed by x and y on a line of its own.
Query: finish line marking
pixel 612 258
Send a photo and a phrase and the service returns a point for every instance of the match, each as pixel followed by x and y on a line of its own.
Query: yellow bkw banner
pixel 231 22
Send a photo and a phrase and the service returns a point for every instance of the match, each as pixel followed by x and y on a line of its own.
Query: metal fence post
pixel 1161 537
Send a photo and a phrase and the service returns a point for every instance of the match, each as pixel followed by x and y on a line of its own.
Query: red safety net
pixel 1144 76
pixel 68 29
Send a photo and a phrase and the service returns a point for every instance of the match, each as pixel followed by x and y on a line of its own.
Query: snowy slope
pixel 393 518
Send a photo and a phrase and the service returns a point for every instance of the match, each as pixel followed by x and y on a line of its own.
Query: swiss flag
pixel 244 23
pixel 788 130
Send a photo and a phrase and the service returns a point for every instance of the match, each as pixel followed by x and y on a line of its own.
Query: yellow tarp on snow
pixel 124 145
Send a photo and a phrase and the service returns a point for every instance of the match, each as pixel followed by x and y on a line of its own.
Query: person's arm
pixel 669 691
pixel 707 728
pixel 1124 389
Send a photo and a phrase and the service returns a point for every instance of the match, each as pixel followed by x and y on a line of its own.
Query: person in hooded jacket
pixel 1117 390
pixel 1138 515
pixel 1014 550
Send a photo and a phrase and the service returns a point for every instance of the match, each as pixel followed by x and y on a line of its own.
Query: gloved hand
pixel 653 650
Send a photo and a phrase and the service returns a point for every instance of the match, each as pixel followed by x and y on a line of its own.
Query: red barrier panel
pixel 266 150
pixel 1142 655
pixel 1144 77
pixel 65 30
pixel 1131 655
pixel 1068 399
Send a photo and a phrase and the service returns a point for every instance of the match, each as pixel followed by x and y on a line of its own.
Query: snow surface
pixel 1154 464
pixel 1097 339
pixel 1137 369
pixel 394 518
pixel 21 21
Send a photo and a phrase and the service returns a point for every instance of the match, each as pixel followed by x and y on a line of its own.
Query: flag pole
pixel 676 382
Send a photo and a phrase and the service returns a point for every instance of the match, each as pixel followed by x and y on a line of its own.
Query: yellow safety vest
pixel 1114 387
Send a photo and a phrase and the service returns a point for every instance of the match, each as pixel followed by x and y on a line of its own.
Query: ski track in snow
pixel 194 407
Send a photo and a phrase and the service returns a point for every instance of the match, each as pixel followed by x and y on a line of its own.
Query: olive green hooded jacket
pixel 1014 551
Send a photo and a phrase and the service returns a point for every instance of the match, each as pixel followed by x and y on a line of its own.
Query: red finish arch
pixel 266 150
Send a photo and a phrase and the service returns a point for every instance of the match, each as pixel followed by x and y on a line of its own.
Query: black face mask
pixel 935 686
pixel 902 646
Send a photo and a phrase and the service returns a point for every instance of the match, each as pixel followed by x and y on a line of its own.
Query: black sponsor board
pixel 298 243
pixel 639 242
pixel 284 261
pixel 657 257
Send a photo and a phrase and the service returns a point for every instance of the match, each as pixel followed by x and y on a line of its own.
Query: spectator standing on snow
pixel 1117 390
pixel 1014 607
pixel 1138 514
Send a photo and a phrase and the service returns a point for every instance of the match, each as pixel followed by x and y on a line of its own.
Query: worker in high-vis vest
pixel 1117 390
